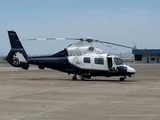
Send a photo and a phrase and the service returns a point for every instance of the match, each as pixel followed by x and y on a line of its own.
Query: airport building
pixel 146 55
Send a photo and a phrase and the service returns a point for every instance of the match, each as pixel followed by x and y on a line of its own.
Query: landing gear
pixel 74 77
pixel 122 78
pixel 82 78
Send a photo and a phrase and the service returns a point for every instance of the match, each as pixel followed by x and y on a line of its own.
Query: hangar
pixel 146 55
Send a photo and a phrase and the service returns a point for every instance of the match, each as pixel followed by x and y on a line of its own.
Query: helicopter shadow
pixel 99 80
pixel 111 81
pixel 51 79
pixel 37 79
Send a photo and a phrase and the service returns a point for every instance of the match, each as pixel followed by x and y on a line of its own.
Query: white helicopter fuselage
pixel 100 62
pixel 85 56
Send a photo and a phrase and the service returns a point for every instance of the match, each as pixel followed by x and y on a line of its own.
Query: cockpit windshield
pixel 118 61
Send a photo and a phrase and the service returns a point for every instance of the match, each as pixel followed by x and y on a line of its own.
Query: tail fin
pixel 17 56
pixel 14 40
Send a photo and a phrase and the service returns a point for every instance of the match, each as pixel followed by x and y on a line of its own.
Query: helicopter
pixel 81 59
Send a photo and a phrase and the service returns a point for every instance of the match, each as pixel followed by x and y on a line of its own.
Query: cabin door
pixel 110 63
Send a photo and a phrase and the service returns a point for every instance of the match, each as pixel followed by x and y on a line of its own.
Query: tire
pixel 74 78
pixel 121 79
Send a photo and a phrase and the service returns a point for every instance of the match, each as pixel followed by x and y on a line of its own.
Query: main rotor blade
pixel 88 39
pixel 50 39
pixel 114 44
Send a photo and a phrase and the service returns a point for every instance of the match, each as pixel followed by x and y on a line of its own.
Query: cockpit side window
pixel 86 60
pixel 118 61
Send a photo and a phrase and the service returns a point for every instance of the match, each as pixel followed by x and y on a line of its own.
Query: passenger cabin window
pixel 86 60
pixel 99 61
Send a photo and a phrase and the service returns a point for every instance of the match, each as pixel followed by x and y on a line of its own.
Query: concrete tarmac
pixel 52 95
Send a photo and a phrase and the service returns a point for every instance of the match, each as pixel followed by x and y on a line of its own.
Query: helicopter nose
pixel 131 70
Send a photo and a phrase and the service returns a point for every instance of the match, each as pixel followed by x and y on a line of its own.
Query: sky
pixel 127 22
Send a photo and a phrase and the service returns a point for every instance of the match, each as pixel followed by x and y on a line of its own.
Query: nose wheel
pixel 122 78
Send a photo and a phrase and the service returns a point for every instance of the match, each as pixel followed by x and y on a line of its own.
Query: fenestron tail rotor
pixel 15 60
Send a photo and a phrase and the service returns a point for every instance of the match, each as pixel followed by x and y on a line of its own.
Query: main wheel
pixel 74 78
pixel 122 79
pixel 82 78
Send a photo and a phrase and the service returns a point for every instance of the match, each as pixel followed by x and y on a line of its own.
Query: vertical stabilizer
pixel 14 40
pixel 17 56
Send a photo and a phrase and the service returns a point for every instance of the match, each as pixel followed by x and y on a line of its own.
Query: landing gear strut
pixel 82 78
pixel 122 78
pixel 74 77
